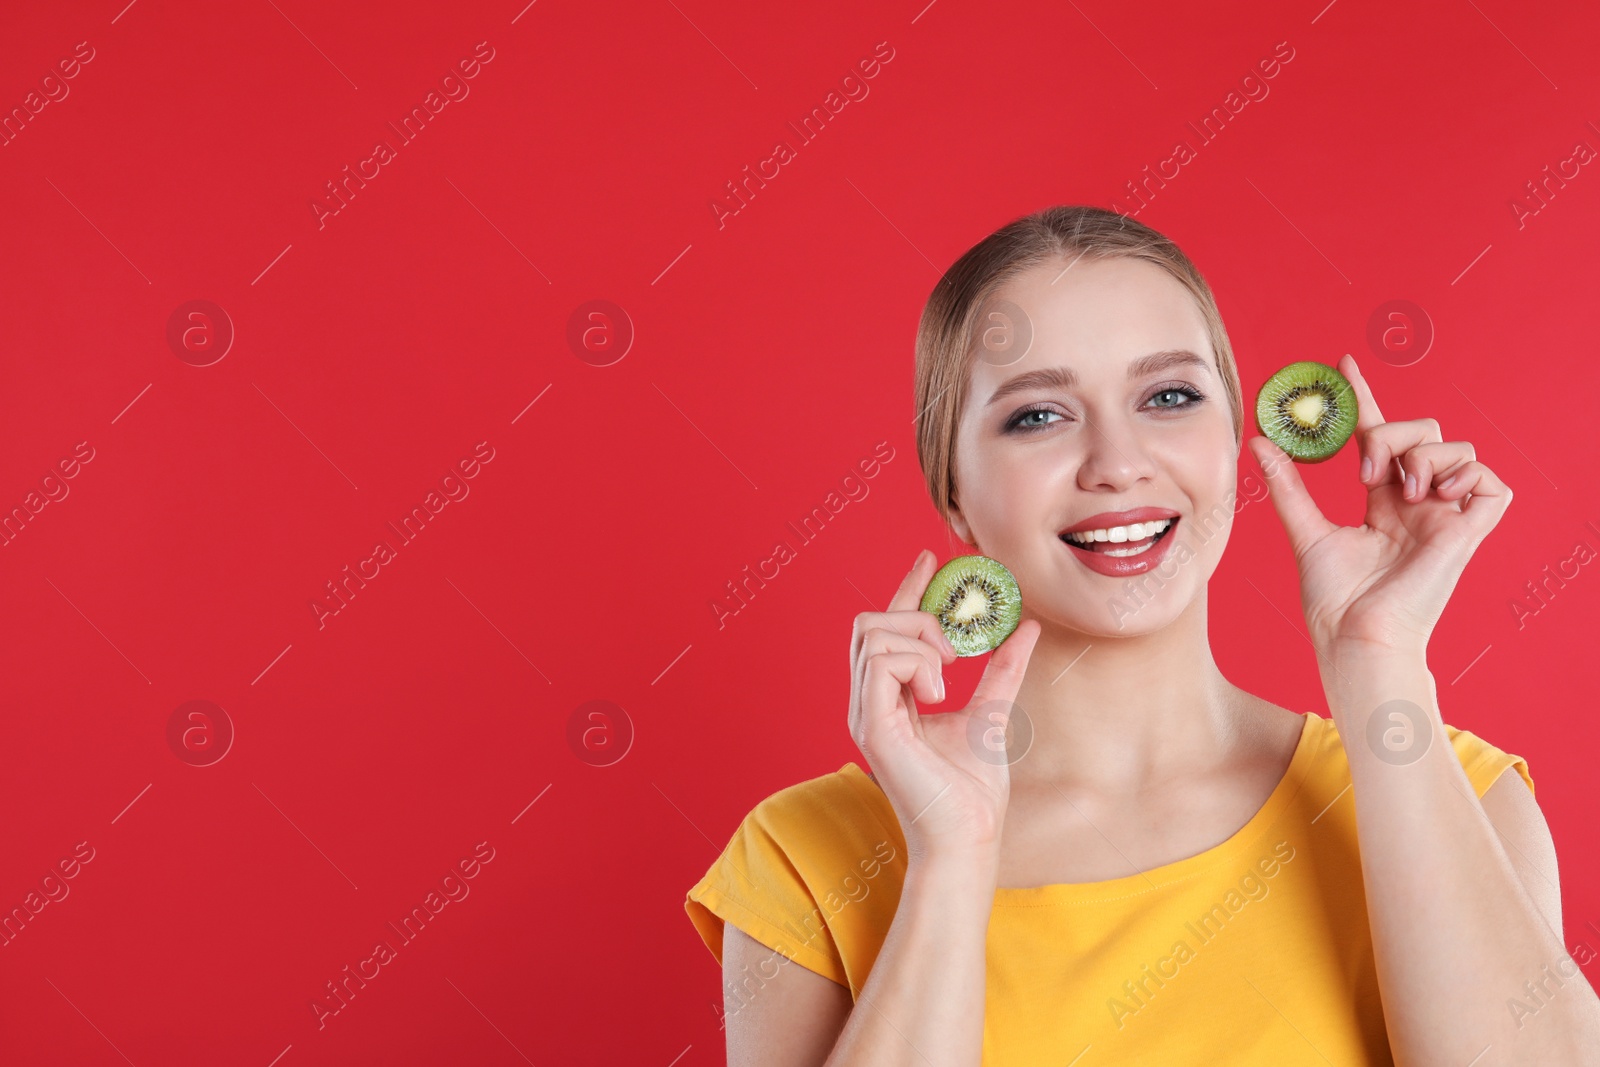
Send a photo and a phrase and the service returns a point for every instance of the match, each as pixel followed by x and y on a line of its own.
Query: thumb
pixel 1301 517
pixel 1002 677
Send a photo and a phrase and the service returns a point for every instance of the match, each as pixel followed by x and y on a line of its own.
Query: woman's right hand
pixel 942 773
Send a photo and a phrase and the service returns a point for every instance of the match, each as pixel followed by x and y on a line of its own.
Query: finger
pixel 1301 518
pixel 880 640
pixel 1386 443
pixel 887 674
pixel 1490 496
pixel 1428 464
pixel 1367 413
pixel 919 624
pixel 1007 666
pixel 909 595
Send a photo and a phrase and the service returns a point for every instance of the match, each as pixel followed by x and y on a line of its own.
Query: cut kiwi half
pixel 1308 409
pixel 976 601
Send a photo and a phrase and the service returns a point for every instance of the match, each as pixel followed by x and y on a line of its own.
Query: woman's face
pixel 1112 415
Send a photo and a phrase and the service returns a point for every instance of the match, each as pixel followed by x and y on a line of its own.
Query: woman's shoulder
pixel 836 801
pixel 827 827
pixel 811 872
pixel 1398 738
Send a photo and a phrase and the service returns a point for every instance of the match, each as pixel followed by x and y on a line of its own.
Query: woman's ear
pixel 958 522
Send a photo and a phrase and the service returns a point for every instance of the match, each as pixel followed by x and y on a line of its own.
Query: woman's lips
pixel 1095 557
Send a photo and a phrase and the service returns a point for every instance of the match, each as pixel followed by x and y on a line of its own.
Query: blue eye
pixel 1020 421
pixel 1194 396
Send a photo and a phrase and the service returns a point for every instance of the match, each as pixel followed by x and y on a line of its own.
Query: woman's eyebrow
pixel 1166 359
pixel 1066 377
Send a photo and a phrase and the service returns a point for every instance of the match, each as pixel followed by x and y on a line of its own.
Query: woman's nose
pixel 1114 458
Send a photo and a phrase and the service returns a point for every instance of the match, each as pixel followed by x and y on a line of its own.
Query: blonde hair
pixel 945 334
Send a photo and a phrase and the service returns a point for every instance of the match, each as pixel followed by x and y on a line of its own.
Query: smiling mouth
pixel 1126 547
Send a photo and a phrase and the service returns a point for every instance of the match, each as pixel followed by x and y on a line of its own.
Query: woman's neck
pixel 1117 714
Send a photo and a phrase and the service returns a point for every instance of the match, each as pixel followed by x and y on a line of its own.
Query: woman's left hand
pixel 1382 586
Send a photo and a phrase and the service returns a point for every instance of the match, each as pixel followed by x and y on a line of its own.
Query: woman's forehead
pixel 1119 292
pixel 1098 315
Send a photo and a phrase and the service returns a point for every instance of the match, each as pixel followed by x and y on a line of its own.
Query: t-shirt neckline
pixel 1157 877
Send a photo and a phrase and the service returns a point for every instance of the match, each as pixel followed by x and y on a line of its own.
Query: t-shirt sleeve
pixel 756 884
pixel 1483 762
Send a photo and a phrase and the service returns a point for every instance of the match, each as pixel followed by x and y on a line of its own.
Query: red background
pixel 771 355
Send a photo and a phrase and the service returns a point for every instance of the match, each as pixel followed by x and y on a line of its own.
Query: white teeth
pixel 1138 531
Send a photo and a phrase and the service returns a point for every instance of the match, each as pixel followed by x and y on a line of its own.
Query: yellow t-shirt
pixel 1256 951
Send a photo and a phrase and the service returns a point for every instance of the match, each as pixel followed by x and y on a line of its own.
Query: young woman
pixel 1154 865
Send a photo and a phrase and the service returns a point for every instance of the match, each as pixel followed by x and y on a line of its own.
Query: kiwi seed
pixel 1308 409
pixel 976 601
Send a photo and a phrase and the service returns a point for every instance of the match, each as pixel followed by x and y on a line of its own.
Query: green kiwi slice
pixel 976 601
pixel 1308 409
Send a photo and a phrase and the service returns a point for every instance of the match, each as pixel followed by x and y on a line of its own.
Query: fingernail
pixel 1366 468
pixel 1446 483
pixel 940 680
pixel 1411 485
pixel 948 646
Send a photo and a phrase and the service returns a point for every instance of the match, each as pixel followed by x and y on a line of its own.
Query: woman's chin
pixel 1111 622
